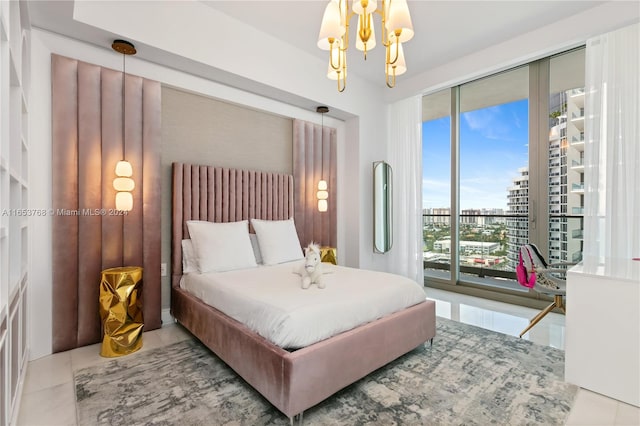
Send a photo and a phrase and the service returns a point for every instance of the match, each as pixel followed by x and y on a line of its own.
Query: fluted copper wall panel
pixel 224 195
pixel 315 158
pixel 87 143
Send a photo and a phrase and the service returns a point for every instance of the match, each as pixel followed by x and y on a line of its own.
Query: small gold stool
pixel 328 255
pixel 121 310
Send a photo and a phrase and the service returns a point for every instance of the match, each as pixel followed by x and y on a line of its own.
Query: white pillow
pixel 278 240
pixel 256 248
pixel 221 246
pixel 189 259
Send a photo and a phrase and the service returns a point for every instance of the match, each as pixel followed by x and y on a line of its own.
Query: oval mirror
pixel 382 207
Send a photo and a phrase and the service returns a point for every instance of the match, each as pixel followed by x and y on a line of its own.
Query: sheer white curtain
pixel 612 149
pixel 405 157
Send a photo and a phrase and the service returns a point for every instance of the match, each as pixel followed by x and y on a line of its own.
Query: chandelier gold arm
pixel 342 76
pixel 388 48
pixel 391 84
pixel 337 66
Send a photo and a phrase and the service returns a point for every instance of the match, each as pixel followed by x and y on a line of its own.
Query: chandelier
pixel 396 29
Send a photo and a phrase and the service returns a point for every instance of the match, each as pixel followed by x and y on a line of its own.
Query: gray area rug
pixel 469 376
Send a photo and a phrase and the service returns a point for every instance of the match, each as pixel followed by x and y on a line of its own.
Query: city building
pixel 518 205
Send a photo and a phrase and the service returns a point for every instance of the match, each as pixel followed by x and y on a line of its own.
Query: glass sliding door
pixel 494 171
pixel 503 166
pixel 566 156
pixel 436 184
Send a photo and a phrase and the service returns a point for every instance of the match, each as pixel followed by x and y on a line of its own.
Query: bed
pixel 291 380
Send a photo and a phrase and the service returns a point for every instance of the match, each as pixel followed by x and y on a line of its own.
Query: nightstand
pixel 121 310
pixel 328 255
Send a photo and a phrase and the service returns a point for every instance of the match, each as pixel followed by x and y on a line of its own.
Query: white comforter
pixel 270 301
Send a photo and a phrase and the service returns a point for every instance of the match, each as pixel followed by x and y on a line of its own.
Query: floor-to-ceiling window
pixel 436 183
pixel 566 156
pixel 502 166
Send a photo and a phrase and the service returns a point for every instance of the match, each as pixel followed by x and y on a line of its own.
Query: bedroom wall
pixel 45 43
pixel 202 130
pixel 260 63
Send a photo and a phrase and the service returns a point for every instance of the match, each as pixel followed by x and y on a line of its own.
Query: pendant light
pixel 123 183
pixel 323 189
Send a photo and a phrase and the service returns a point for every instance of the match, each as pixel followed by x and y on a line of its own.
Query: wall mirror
pixel 382 207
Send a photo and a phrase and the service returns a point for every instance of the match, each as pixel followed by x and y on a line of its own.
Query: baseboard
pixel 166 318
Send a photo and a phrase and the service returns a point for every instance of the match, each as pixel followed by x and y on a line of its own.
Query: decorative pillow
pixel 189 259
pixel 221 246
pixel 278 240
pixel 256 248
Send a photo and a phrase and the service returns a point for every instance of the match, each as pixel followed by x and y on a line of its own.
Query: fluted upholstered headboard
pixel 223 195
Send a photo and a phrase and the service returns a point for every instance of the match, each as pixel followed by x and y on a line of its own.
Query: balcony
pixel 577 234
pixel 578 115
pixel 577 187
pixel 577 210
pixel 576 92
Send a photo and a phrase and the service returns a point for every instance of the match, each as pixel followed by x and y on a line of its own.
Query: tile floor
pixel 48 397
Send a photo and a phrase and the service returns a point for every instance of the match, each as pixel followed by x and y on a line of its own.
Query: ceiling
pixel 444 30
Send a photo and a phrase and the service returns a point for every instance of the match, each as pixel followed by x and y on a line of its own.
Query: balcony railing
pixel 577 210
pixel 577 233
pixel 577 163
pixel 577 186
pixel 576 257
pixel 578 115
pixel 576 92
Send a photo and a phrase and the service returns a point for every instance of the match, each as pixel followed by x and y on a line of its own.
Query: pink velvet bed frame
pixel 291 381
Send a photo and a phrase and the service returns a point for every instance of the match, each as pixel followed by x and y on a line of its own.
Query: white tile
pixel 86 356
pixel 151 340
pixel 591 408
pixel 498 316
pixel 627 415
pixel 174 333
pixel 52 407
pixel 48 371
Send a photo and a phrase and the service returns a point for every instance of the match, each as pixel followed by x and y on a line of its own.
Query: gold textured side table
pixel 121 310
pixel 328 255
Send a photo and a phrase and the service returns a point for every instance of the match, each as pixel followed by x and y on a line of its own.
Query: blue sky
pixel 493 145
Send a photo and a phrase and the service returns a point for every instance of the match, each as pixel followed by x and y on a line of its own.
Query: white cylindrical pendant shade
pixel 124 169
pixel 124 201
pixel 322 195
pixel 331 27
pixel 398 18
pixel 123 184
pixel 323 205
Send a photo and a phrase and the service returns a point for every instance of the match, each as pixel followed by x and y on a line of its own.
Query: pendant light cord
pixel 322 150
pixel 124 143
pixel 124 116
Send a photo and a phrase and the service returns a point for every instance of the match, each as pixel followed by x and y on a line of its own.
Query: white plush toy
pixel 311 270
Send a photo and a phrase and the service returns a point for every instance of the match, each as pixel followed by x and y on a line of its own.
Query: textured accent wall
pixel 88 234
pixel 315 158
pixel 198 129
